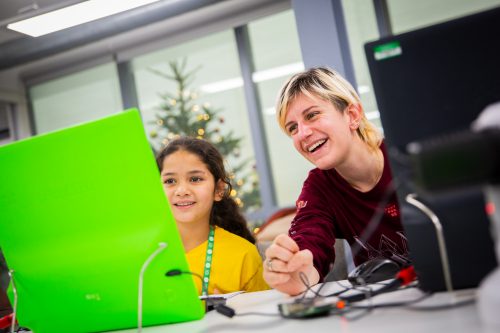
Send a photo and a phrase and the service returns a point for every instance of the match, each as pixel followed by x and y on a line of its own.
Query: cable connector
pixel 403 277
pixel 225 310
pixel 173 272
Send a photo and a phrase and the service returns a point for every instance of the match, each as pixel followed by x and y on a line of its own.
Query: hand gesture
pixel 284 261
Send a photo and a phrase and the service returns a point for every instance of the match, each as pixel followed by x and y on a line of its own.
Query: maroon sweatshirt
pixel 329 208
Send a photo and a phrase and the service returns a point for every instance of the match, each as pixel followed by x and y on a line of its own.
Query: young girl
pixel 219 247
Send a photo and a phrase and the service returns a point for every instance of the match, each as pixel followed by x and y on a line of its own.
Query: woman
pixel 323 115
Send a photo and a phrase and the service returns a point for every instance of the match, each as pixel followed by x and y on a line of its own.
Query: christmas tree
pixel 180 115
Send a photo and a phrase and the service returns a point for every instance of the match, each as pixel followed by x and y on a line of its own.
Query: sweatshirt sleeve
pixel 312 227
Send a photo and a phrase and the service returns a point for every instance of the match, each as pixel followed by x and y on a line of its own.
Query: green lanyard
pixel 208 261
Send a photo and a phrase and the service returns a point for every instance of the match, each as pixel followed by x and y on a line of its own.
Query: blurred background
pixel 234 54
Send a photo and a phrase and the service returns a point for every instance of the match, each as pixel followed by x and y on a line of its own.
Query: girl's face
pixel 320 132
pixel 189 187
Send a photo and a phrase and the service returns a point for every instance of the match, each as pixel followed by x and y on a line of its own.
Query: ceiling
pixel 14 10
pixel 122 33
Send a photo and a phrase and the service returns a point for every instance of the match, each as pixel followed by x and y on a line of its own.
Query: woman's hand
pixel 284 261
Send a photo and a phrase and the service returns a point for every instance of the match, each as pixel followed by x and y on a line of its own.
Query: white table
pixel 384 320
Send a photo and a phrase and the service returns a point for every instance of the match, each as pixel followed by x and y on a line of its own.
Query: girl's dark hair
pixel 225 213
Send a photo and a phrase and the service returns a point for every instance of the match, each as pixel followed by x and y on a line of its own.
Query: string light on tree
pixel 180 114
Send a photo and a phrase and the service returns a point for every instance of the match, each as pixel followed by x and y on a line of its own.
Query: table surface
pixel 401 319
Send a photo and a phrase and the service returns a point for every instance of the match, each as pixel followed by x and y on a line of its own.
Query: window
pixel 362 27
pixel 216 81
pixel 83 96
pixel 409 15
pixel 277 56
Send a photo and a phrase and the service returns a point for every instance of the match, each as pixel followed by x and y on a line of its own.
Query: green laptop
pixel 82 213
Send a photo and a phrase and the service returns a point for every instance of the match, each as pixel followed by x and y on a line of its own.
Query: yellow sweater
pixel 236 264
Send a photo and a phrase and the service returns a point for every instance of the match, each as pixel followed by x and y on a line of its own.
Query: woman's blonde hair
pixel 324 83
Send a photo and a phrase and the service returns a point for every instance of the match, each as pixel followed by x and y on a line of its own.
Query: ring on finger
pixel 270 265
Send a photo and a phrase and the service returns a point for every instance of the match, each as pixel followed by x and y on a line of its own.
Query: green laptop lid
pixel 81 210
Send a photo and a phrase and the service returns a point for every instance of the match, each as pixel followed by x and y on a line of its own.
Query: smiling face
pixel 320 132
pixel 190 187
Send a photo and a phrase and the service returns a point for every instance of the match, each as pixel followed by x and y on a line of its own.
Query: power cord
pixel 306 307
pixel 317 293
pixel 177 272
pixel 311 307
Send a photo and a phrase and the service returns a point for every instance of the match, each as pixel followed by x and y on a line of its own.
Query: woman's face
pixel 190 187
pixel 320 132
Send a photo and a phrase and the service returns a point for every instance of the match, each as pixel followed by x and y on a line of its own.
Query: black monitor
pixel 427 83
pixel 436 79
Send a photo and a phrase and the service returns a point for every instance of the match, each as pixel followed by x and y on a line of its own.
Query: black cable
pixel 367 233
pixel 372 225
pixel 369 229
pixel 304 279
pixel 392 286
pixel 442 306
pixel 305 282
pixel 366 309
pixel 317 293
pixel 391 304
pixel 337 293
pixel 404 278
pixel 376 217
pixel 258 314
pixel 362 313
pixel 308 303
pixel 230 312
pixel 176 272
pixel 219 307
pixel 305 307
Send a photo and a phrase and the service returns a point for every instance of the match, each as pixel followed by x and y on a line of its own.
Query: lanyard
pixel 208 261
